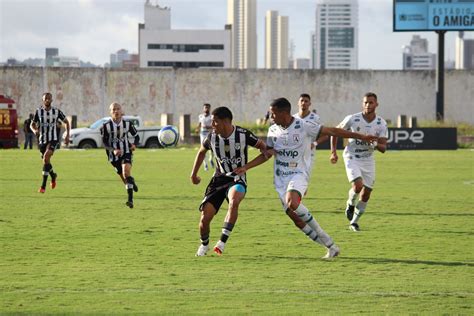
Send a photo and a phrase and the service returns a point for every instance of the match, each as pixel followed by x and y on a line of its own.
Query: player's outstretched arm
pixel 334 131
pixel 195 179
pixel 68 131
pixel 263 157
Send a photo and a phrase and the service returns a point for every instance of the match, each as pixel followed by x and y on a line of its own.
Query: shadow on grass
pixel 406 261
pixel 361 259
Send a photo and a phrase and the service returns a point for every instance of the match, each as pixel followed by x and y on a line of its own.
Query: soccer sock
pixel 205 240
pixel 311 233
pixel 129 187
pixel 226 230
pixel 323 238
pixel 359 210
pixel 352 197
pixel 46 168
pixel 51 172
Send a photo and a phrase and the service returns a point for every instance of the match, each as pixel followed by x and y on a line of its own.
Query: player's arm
pixel 68 131
pixel 105 138
pixel 334 156
pixel 133 131
pixel 339 132
pixel 200 156
pixel 381 144
pixel 33 124
pixel 263 157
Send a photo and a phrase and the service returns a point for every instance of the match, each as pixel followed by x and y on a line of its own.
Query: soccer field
pixel 80 250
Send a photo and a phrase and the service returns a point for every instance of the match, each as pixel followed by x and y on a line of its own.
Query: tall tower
pixel 276 41
pixel 242 16
pixel 336 34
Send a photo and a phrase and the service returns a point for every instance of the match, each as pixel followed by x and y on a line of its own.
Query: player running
pixel 44 125
pixel 229 144
pixel 115 136
pixel 359 158
pixel 289 140
pixel 205 127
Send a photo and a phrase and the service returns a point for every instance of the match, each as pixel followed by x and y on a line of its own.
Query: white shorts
pixel 297 182
pixel 361 168
pixel 203 136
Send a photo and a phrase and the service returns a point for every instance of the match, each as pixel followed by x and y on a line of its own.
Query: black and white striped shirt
pixel 46 122
pixel 231 152
pixel 116 136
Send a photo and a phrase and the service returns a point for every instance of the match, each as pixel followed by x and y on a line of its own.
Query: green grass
pixel 80 250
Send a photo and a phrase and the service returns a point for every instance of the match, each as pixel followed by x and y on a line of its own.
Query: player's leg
pixel 52 147
pixel 235 195
pixel 354 175
pixel 46 154
pixel 127 169
pixel 207 214
pixel 368 180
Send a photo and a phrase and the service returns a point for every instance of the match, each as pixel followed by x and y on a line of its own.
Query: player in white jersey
pixel 359 158
pixel 204 127
pixel 304 113
pixel 289 140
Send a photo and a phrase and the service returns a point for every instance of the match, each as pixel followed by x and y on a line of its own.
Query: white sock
pixel 352 197
pixel 323 238
pixel 359 210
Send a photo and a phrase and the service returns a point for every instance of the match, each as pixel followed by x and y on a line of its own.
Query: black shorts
pixel 216 191
pixel 125 158
pixel 53 145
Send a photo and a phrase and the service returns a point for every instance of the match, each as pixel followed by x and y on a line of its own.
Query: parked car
pixel 89 137
pixel 8 123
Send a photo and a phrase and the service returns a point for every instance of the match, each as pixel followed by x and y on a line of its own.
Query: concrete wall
pixel 87 93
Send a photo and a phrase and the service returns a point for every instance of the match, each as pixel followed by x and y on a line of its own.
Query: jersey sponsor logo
pixel 280 173
pixel 48 124
pixel 361 142
pixel 233 160
pixel 286 164
pixel 288 153
pixel 117 139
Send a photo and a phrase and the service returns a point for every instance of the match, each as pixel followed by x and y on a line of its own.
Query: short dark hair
pixel 206 104
pixel 305 95
pixel 47 93
pixel 370 94
pixel 281 104
pixel 222 112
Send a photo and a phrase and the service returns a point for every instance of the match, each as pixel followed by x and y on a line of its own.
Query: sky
pixel 93 29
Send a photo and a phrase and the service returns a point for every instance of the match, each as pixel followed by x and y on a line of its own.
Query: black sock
pixel 46 170
pixel 226 230
pixel 205 240
pixel 130 188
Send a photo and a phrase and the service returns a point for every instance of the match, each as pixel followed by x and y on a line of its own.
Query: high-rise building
pixel 464 52
pixel 336 34
pixel 276 41
pixel 416 55
pixel 50 53
pixel 160 46
pixel 242 19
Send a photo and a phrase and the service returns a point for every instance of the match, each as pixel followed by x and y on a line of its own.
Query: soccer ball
pixel 168 136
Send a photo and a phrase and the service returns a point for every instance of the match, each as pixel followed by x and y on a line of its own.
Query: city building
pixel 122 59
pixel 416 55
pixel 50 53
pixel 335 43
pixel 242 22
pixel 276 41
pixel 160 46
pixel 302 63
pixel 464 52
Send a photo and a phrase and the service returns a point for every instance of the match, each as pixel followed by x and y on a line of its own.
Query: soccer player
pixel 204 127
pixel 304 113
pixel 44 126
pixel 229 144
pixel 115 136
pixel 359 158
pixel 289 140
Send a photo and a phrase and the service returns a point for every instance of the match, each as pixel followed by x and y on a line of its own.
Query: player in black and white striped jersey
pixel 115 136
pixel 44 125
pixel 229 144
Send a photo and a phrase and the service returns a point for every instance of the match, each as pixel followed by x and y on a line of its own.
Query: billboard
pixel 422 138
pixel 433 15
